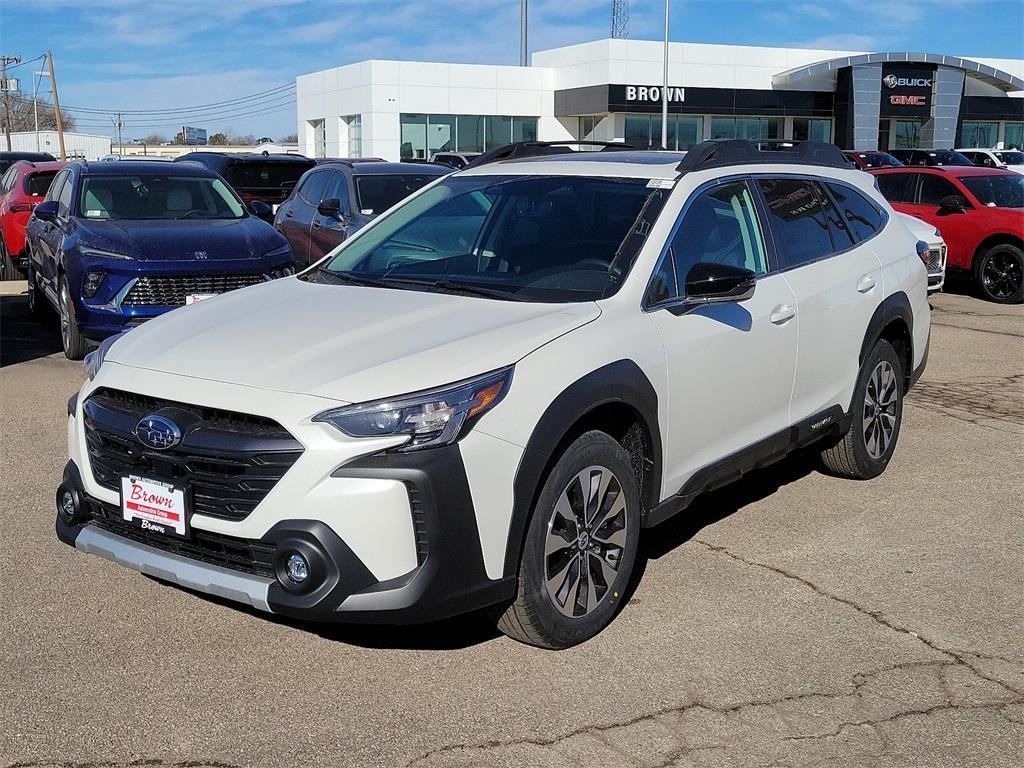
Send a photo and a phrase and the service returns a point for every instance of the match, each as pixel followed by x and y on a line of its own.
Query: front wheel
pixel 580 547
pixel 877 413
pixel 999 274
pixel 75 345
pixel 36 298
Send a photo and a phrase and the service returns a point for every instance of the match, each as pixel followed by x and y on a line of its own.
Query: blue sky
pixel 163 54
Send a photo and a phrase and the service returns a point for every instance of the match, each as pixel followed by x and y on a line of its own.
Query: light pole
pixel 37 78
pixel 664 89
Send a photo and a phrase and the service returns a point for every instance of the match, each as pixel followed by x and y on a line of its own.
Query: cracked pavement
pixel 791 619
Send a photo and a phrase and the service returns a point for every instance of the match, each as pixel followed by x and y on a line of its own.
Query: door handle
pixel 288 214
pixel 782 314
pixel 316 224
pixel 865 284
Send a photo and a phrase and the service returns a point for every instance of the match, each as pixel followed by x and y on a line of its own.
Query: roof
pixel 956 170
pixel 247 156
pixel 367 168
pixel 144 166
pixel 638 164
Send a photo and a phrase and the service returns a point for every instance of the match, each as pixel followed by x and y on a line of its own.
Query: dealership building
pixel 609 90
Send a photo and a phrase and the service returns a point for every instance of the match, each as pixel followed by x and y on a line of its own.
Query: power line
pixel 27 62
pixel 271 93
pixel 178 124
pixel 164 120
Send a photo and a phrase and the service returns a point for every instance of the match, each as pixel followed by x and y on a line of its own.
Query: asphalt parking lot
pixel 790 620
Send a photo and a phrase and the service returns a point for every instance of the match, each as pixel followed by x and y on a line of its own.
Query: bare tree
pixel 23 115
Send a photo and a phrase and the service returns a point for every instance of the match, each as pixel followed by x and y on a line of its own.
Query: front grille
pixel 936 258
pixel 227 462
pixel 244 555
pixel 170 291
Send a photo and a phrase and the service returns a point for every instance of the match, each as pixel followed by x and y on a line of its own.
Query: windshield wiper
pixel 348 277
pixel 448 286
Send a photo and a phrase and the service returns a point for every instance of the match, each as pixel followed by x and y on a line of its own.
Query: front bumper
pixel 449 577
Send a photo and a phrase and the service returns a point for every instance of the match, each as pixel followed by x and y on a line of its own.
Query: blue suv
pixel 117 243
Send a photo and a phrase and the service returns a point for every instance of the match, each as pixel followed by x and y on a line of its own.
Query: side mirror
pixel 952 204
pixel 330 207
pixel 261 210
pixel 47 210
pixel 717 283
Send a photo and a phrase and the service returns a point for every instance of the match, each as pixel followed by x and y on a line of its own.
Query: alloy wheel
pixel 585 543
pixel 31 290
pixel 65 315
pixel 1002 275
pixel 880 406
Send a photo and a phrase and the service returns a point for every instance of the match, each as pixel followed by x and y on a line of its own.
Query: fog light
pixel 297 568
pixel 92 282
pixel 67 504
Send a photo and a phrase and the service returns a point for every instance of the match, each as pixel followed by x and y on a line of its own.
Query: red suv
pixel 22 186
pixel 980 213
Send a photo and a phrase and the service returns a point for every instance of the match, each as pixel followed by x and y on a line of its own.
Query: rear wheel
pixel 580 547
pixel 867 447
pixel 75 345
pixel 7 269
pixel 999 274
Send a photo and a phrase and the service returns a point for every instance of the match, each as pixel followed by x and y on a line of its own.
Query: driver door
pixel 326 231
pixel 730 366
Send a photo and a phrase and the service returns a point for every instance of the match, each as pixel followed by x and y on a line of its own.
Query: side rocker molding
pixel 620 382
pixel 830 423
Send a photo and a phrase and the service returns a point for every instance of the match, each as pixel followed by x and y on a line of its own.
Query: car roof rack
pixel 717 154
pixel 518 149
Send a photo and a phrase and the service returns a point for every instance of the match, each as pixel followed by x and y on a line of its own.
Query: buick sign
pixel 158 432
pixel 892 81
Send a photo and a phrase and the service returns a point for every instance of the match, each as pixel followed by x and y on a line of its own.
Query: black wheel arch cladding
pixel 618 383
pixel 894 309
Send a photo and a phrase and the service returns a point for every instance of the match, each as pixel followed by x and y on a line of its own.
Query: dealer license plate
pixel 195 298
pixel 154 505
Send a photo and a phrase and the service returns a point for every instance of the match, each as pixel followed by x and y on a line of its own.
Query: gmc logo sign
pixel 909 101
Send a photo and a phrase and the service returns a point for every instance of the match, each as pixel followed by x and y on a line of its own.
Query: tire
pixel 877 411
pixel 605 535
pixel 7 269
pixel 75 345
pixel 37 305
pixel 999 274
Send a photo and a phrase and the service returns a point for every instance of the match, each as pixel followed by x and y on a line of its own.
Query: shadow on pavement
pixel 23 337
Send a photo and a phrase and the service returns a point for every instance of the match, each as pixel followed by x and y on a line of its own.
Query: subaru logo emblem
pixel 158 432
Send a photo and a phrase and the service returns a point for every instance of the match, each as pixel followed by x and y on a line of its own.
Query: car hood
pixel 182 240
pixel 346 343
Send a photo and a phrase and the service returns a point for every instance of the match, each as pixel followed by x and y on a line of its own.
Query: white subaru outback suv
pixel 482 398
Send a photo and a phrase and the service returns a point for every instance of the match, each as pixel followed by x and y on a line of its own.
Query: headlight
pixel 94 359
pixel 432 418
pixel 100 253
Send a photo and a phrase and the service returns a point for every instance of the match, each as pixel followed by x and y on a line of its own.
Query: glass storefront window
pixel 908 134
pixel 689 131
pixel 1013 136
pixel 440 133
pixel 638 131
pixel 812 129
pixel 524 129
pixel 752 128
pixel 319 137
pixel 978 134
pixel 684 131
pixel 499 131
pixel 469 135
pixel 354 129
pixel 414 137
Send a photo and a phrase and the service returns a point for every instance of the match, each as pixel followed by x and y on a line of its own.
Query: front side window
pixel 337 189
pixel 55 187
pixel 64 199
pixel 719 226
pixel 862 218
pixel 312 188
pixel 157 196
pixel 525 238
pixel 1011 157
pixel 1004 190
pixel 933 188
pixel 798 220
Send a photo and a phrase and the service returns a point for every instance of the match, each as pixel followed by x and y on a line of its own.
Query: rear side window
pixel 37 184
pixel 896 187
pixel 797 216
pixel 861 217
pixel 933 189
pixel 7 182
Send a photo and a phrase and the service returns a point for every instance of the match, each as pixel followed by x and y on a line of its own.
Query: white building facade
pixel 82 146
pixel 609 90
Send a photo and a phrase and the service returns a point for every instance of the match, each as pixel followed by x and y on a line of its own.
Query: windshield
pixel 880 160
pixel 946 157
pixel 378 192
pixel 1004 190
pixel 256 174
pixel 37 184
pixel 1011 158
pixel 157 196
pixel 525 238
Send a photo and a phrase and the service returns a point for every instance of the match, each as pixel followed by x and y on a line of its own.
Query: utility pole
pixel 4 61
pixel 119 124
pixel 522 33
pixel 56 108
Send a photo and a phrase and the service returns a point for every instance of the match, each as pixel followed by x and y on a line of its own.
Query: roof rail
pixel 519 149
pixel 716 154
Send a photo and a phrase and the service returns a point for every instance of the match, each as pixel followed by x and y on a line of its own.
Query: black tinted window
pixel 337 189
pixel 862 218
pixel 312 189
pixel 896 187
pixel 933 189
pixel 378 192
pixel 37 184
pixel 64 199
pixel 798 220
pixel 255 174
